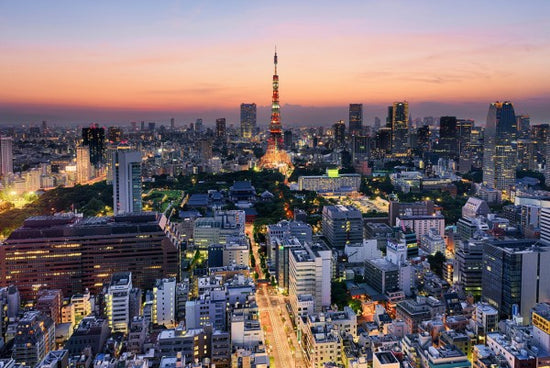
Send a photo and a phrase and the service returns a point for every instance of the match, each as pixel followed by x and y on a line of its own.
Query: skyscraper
pixel 464 128
pixel 499 156
pixel 126 180
pixel 248 120
pixel 83 164
pixel 339 131
pixel 114 134
pixel 360 147
pixel 448 136
pixel 514 273
pixel 400 128
pixel 342 225
pixel 6 156
pixel 221 131
pixel 355 119
pixel 94 138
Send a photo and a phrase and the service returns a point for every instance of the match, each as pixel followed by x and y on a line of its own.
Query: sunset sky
pixel 117 61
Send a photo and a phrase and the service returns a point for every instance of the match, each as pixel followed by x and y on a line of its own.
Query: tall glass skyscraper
pixel 248 120
pixel 126 180
pixel 94 138
pixel 499 154
pixel 355 119
pixel 6 156
pixel 400 128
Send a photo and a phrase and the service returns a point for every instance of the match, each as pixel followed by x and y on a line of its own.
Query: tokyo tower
pixel 276 157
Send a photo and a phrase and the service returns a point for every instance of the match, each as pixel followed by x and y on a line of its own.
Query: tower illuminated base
pixel 276 159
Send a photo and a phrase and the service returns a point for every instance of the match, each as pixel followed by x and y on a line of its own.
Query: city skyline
pixel 115 63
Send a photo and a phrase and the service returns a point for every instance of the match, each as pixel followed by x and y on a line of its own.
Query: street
pixel 280 338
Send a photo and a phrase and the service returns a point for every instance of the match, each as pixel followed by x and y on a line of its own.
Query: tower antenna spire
pixel 275 59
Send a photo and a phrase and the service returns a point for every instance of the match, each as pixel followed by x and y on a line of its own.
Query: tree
pixel 252 260
pixel 339 294
pixel 436 262
pixel 356 305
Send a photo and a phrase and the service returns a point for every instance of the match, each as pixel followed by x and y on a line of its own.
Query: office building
pixel 545 225
pixel 283 230
pixel 248 120
pixel 499 156
pixel 540 133
pixel 235 251
pixel 245 327
pixel 475 207
pixel 73 254
pixel 164 302
pixel 448 137
pixel 281 251
pixel 94 138
pixel 83 165
pixel 126 166
pixel 360 252
pixel 117 301
pixel 382 142
pixel 485 319
pixel 400 145
pixel 34 339
pixel 208 309
pixel 342 225
pixel 114 135
pixel 421 224
pixel 382 275
pixel 540 319
pixel 331 182
pixel 416 208
pixel 339 133
pixel 195 345
pixel 310 272
pixel 6 156
pixel 547 157
pixel 91 332
pixel 288 139
pixel 221 130
pixel 321 341
pixel 514 275
pixel 432 242
pixel 217 229
pixel 355 119
pixel 468 267
pixel 414 311
pixel 360 147
pixel 49 302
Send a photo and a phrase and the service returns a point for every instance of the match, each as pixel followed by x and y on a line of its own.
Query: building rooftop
pixel 121 279
pixel 383 264
pixel 386 357
pixel 70 225
pixel 543 310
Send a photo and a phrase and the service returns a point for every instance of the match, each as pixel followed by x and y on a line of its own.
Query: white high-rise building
pixel 310 272
pixel 6 156
pixel 117 301
pixel 164 303
pixel 545 225
pixel 547 168
pixel 83 164
pixel 126 167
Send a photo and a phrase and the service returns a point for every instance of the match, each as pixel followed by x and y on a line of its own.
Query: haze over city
pixel 118 62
